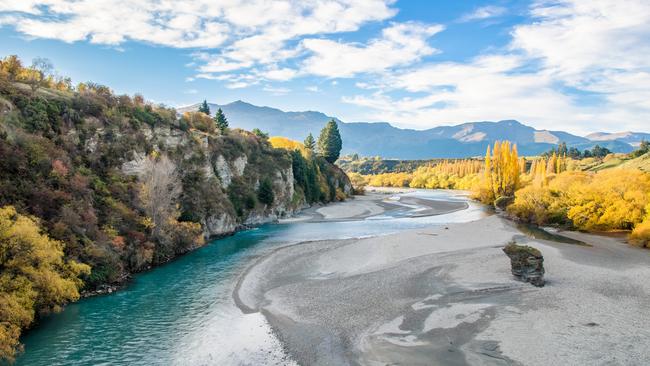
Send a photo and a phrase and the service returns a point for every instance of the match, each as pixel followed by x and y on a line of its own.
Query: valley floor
pixel 445 295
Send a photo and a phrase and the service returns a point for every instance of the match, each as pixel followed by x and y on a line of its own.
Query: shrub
pixel 641 234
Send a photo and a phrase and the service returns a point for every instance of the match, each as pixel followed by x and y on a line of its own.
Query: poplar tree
pixel 501 172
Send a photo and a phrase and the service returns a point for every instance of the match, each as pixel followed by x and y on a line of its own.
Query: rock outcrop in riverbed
pixel 527 263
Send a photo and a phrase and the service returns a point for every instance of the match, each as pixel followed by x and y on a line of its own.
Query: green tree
pixel 329 142
pixel 310 143
pixel 220 120
pixel 600 152
pixel 204 108
pixel 260 134
pixel 265 192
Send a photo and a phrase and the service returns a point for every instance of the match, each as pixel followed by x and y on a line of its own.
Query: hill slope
pixel 383 139
pixel 632 138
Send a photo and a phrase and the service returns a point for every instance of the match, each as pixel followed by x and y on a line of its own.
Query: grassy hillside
pixel 622 161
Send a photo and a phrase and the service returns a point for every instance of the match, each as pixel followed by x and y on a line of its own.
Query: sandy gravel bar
pixel 445 295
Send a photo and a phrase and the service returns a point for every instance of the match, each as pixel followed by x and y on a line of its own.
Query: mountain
pixel 383 139
pixel 632 138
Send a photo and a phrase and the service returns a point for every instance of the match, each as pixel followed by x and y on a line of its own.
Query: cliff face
pixel 126 185
pixel 233 165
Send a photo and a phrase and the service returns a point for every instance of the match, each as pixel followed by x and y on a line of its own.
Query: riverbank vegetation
pixel 35 278
pixel 592 192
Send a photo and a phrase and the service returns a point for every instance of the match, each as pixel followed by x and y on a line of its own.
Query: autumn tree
pixel 204 108
pixel 35 279
pixel 36 74
pixel 11 66
pixel 159 190
pixel 329 142
pixel 280 142
pixel 220 120
pixel 197 120
pixel 501 172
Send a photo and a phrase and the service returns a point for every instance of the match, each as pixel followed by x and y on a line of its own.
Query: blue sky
pixel 573 65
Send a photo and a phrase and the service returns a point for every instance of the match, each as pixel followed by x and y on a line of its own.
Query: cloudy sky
pixel 573 65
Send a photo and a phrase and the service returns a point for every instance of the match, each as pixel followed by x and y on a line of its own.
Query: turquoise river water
pixel 183 313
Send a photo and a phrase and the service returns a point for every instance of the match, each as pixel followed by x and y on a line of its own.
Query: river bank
pixel 444 295
pixel 183 313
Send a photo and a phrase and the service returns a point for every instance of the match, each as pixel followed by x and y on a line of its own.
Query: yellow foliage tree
pixel 606 200
pixel 456 174
pixel 501 172
pixel 280 142
pixel 35 279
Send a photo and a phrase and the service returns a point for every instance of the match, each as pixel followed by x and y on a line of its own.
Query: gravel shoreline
pixel 445 295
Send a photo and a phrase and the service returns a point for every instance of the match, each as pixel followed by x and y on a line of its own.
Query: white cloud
pixel 248 32
pixel 313 88
pixel 279 74
pixel 484 12
pixel 484 89
pixel 238 85
pixel 400 44
pixel 577 65
pixel 276 91
pixel 111 23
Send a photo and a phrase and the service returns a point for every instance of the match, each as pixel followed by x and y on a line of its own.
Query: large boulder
pixel 527 263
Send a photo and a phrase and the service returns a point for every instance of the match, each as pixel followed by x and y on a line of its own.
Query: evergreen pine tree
pixel 329 142
pixel 265 192
pixel 220 120
pixel 204 108
pixel 310 143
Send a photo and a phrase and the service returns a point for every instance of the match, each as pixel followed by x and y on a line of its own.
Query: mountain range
pixel 383 139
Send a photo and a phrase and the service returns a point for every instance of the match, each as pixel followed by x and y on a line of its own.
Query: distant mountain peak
pixel 383 139
pixel 240 102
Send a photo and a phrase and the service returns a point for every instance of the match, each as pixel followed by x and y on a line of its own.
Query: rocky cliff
pixel 126 185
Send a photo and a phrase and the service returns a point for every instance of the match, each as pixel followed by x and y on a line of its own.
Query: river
pixel 183 313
